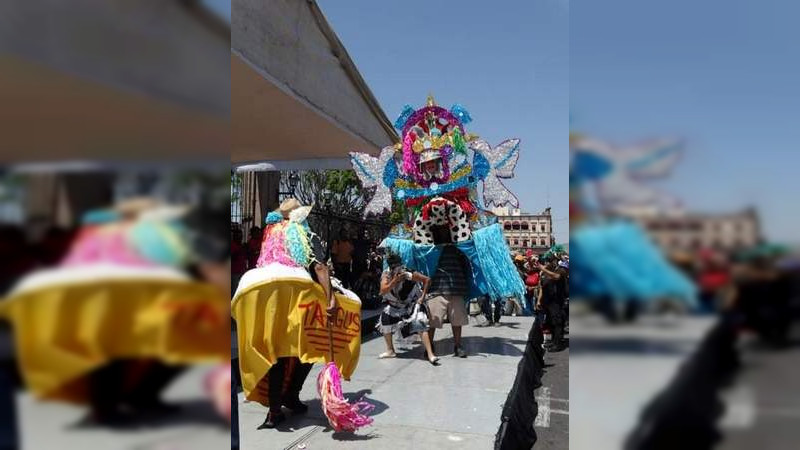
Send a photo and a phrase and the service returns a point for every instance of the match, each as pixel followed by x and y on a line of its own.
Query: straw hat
pixel 133 207
pixel 293 210
pixel 287 206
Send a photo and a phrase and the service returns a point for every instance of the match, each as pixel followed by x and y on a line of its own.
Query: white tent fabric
pixel 296 94
pixel 106 81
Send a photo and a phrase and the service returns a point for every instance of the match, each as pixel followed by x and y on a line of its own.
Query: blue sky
pixel 508 66
pixel 724 75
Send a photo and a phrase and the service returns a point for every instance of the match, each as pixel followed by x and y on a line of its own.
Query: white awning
pixel 297 99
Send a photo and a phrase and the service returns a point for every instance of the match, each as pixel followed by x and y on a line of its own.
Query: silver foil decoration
pixel 502 161
pixel 370 170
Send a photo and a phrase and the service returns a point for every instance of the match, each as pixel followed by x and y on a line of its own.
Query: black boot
pixel 295 405
pixel 291 399
pixel 272 420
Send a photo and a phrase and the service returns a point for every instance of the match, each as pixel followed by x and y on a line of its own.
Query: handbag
pixel 474 307
pixel 416 322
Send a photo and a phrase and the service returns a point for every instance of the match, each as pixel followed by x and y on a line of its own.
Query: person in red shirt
pixel 253 247
pixel 532 284
pixel 713 279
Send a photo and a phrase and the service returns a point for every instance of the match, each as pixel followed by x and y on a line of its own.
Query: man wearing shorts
pixel 446 294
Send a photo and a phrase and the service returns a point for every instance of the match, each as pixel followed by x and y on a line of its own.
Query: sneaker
pixel 272 420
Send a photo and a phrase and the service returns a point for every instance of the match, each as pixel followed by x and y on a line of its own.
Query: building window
pixel 525 226
pixel 507 225
pixel 525 243
pixel 516 242
pixel 515 225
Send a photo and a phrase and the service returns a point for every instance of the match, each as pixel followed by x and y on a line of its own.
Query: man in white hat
pixel 430 162
pixel 287 376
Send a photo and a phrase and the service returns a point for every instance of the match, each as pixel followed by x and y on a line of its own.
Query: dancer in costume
pixel 434 176
pixel 303 249
pixel 290 314
pixel 137 298
pixel 404 291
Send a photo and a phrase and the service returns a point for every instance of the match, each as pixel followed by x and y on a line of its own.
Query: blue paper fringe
pixel 462 114
pixel 99 216
pixel 618 260
pixel 408 110
pixel 297 244
pixel 273 217
pixel 421 258
pixel 493 270
pixel 494 261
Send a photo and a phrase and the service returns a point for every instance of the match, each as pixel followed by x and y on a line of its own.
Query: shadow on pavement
pixel 490 345
pixel 512 325
pixel 629 345
pixel 192 412
pixel 315 417
pixel 353 436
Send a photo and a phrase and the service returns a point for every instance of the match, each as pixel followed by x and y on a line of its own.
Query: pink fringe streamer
pixel 341 415
pixel 218 387
pixel 410 159
pixel 273 248
pixel 103 243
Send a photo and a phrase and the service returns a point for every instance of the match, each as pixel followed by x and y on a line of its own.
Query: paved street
pixel 617 370
pixel 197 427
pixel 455 405
pixel 552 422
pixel 763 405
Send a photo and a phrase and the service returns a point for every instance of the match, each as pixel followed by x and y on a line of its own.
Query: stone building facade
pixel 689 232
pixel 526 231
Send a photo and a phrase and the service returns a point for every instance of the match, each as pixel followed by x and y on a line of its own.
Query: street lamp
pixel 292 179
pixel 327 206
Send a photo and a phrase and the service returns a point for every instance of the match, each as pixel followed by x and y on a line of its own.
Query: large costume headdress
pixel 436 170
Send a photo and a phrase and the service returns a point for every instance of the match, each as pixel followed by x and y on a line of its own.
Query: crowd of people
pixel 353 259
pixel 759 289
pixel 546 279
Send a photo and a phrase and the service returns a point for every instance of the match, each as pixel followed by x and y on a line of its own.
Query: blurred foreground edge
pixel 686 413
pixel 97 80
pixel 519 412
